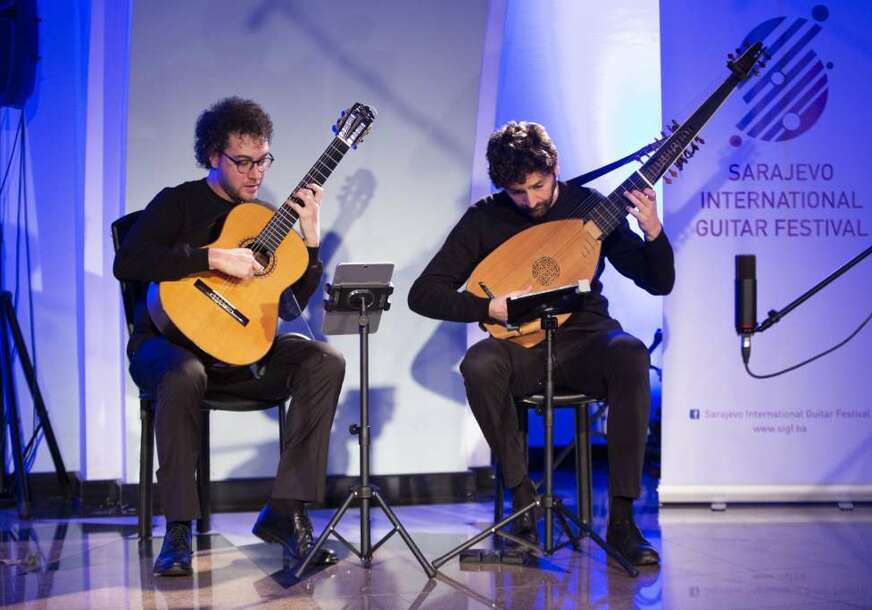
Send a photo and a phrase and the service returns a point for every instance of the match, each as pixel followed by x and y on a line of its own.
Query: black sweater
pixel 166 243
pixel 493 220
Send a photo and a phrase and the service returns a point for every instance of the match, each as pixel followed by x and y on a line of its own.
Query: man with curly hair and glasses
pixel 593 354
pixel 167 242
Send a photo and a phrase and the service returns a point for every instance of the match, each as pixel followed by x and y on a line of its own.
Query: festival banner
pixel 782 175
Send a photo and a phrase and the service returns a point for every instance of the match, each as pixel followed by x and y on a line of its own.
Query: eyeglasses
pixel 244 165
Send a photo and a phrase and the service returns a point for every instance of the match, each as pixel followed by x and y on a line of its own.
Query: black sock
pixel 621 509
pixel 286 505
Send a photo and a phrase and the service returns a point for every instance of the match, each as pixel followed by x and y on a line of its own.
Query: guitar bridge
pixel 221 302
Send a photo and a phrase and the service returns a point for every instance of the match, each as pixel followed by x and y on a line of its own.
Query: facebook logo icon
pixel 694 414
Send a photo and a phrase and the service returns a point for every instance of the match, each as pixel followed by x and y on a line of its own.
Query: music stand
pixel 544 305
pixel 353 304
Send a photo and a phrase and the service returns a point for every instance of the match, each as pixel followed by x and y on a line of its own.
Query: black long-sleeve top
pixel 166 243
pixel 493 220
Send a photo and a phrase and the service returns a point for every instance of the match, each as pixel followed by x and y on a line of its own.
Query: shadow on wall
pixel 332 46
pixel 435 366
pixel 382 403
pixel 265 455
pixel 353 198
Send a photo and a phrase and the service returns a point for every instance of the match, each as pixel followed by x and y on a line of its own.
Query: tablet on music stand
pixel 528 307
pixel 351 279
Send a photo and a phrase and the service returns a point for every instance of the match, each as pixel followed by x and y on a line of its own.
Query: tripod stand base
pixel 364 494
pixel 478 557
pixel 554 508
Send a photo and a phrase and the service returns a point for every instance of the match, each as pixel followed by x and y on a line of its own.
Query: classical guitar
pixel 235 320
pixel 563 252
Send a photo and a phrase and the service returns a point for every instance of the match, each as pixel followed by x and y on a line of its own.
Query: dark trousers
pixel 609 364
pixel 310 371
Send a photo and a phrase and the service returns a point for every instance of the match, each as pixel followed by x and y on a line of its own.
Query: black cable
pixel 36 425
pixel 23 227
pixel 11 156
pixel 27 256
pixel 813 358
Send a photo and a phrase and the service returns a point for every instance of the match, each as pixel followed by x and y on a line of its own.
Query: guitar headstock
pixel 747 61
pixel 354 124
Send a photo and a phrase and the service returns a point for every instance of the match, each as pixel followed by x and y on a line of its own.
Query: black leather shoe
pixel 293 531
pixel 175 553
pixel 525 525
pixel 629 542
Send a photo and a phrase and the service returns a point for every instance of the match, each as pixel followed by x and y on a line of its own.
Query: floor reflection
pixel 814 557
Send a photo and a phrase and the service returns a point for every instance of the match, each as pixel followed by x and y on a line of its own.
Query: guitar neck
pixel 676 149
pixel 285 217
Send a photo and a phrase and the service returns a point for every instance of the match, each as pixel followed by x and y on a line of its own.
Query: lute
pixel 235 320
pixel 563 252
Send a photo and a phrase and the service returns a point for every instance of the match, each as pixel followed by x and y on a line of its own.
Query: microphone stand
pixel 775 316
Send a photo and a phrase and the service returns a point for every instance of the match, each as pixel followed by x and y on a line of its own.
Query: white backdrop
pixel 439 94
pixel 796 135
pixel 392 199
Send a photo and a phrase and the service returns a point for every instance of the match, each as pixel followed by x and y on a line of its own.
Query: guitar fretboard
pixel 284 219
pixel 607 213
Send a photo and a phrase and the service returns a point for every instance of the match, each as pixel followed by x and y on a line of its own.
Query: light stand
pixel 9 324
pixel 20 23
pixel 362 299
pixel 545 305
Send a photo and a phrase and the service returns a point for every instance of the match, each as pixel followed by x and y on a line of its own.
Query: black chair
pixel 133 292
pixel 580 446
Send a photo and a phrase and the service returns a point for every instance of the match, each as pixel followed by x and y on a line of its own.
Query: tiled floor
pixel 761 557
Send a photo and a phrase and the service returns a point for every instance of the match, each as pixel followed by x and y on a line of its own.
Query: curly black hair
pixel 517 149
pixel 227 116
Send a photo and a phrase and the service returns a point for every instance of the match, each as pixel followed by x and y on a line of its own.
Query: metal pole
pixel 13 420
pixel 549 435
pixel 365 495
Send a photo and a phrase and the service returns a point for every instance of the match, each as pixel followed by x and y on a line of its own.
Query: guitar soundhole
pixel 261 254
pixel 545 270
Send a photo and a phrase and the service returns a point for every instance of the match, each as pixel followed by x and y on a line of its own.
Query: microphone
pixel 746 300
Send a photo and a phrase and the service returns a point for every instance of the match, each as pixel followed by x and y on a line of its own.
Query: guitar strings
pixel 607 212
pixel 284 219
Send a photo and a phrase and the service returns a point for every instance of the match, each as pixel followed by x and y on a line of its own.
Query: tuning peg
pixel 674 125
pixel 731 57
pixel 699 139
pixel 693 148
pixel 673 173
pixel 667 180
pixel 335 129
pixel 679 163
